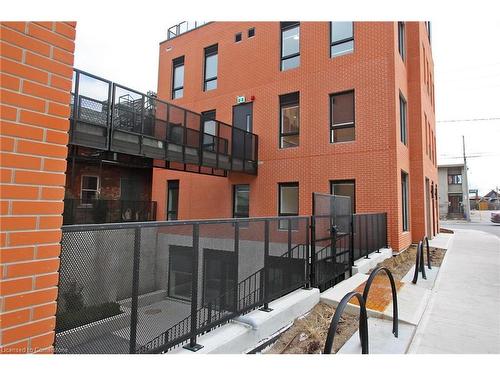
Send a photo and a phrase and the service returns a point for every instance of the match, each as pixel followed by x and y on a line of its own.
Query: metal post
pixel 351 244
pixel 378 233
pixel 236 257
pixel 266 268
pixel 366 237
pixel 193 346
pixel 135 291
pixel 307 255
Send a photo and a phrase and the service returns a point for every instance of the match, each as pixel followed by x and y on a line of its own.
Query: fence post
pixel 312 254
pixel 135 290
pixel 307 255
pixel 351 244
pixel 266 268
pixel 366 236
pixel 193 346
pixel 378 233
pixel 236 267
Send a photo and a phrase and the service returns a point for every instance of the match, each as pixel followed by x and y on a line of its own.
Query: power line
pixel 471 119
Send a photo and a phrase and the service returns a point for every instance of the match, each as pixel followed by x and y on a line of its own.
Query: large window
pixel 89 189
pixel 341 38
pixel 342 117
pixel 172 199
pixel 401 39
pixel 288 201
pixel 209 130
pixel 289 120
pixel 404 200
pixel 211 63
pixel 290 45
pixel 454 179
pixel 178 78
pixel 241 202
pixel 180 272
pixel 403 118
pixel 346 188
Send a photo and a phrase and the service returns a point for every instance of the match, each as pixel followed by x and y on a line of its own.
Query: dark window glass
pixel 342 38
pixel 401 39
pixel 290 45
pixel 178 78
pixel 403 119
pixel 454 179
pixel 346 188
pixel 404 200
pixel 237 37
pixel 211 63
pixel 251 32
pixel 180 272
pixel 342 117
pixel 89 189
pixel 241 203
pixel 219 278
pixel 289 120
pixel 428 27
pixel 172 199
pixel 209 130
pixel 288 201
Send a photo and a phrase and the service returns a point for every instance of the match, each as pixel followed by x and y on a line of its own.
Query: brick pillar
pixel 35 82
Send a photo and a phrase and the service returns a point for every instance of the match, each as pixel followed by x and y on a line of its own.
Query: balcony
pixel 108 116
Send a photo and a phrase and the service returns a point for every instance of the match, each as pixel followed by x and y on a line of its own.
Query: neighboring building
pixel 491 201
pixel 342 107
pixel 453 192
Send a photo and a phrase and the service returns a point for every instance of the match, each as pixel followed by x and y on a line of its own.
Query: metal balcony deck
pixel 111 117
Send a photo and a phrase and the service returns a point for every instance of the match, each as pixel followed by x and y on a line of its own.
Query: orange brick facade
pixel 376 73
pixel 35 78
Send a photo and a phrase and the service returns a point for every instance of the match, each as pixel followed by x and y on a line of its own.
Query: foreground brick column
pixel 35 81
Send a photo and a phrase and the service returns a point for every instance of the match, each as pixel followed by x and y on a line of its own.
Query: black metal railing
pixel 108 116
pixel 183 27
pixel 369 234
pixel 419 260
pixel 148 287
pixel 99 211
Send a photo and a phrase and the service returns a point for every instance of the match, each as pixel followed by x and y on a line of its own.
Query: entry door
pixel 242 119
pixel 219 275
pixel 455 204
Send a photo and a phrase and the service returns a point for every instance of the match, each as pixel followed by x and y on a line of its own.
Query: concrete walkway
pixel 463 314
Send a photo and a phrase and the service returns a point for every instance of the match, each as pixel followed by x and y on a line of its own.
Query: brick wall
pixel 35 78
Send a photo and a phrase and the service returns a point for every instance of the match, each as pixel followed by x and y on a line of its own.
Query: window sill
pixel 344 142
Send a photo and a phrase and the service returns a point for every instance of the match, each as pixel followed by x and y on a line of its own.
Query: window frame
pixel 402 41
pixel 238 35
pixel 338 42
pixel 405 199
pixel 285 26
pixel 209 51
pixel 235 190
pixel 169 189
pixel 453 177
pixel 174 250
pixel 283 224
pixel 97 190
pixel 403 130
pixel 288 104
pixel 347 181
pixel 346 124
pixel 252 30
pixel 176 63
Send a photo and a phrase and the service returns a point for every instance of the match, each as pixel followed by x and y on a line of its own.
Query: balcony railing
pixel 108 116
pixel 183 27
pixel 100 211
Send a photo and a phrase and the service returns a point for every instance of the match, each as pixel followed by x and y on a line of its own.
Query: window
pixel 251 32
pixel 211 62
pixel 172 199
pixel 89 189
pixel 289 120
pixel 237 38
pixel 454 179
pixel 401 39
pixel 346 188
pixel 426 124
pixel 290 45
pixel 404 200
pixel 341 38
pixel 180 272
pixel 403 119
pixel 209 130
pixel 178 78
pixel 288 201
pixel 342 117
pixel 428 28
pixel 241 201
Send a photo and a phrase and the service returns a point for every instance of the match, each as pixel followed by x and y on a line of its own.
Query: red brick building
pixel 340 107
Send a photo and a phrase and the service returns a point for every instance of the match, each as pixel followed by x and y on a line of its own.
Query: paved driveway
pixel 480 220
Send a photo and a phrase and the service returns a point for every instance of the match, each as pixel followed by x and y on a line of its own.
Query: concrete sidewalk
pixel 463 314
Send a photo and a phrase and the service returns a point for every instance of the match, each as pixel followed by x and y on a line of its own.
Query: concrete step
pixel 333 295
pixel 381 340
pixel 364 265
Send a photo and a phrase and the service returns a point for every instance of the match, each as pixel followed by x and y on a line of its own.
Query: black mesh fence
pixel 369 234
pixel 148 287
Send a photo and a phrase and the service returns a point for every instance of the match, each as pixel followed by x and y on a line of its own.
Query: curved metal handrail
pixel 363 322
pixel 426 241
pixel 394 295
pixel 419 263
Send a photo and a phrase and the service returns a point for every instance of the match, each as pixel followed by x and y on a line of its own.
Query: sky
pixel 467 78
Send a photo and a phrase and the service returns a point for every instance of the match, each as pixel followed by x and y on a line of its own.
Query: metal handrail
pixel 426 242
pixel 366 290
pixel 363 322
pixel 419 263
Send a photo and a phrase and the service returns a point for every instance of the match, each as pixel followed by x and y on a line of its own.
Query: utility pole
pixel 465 185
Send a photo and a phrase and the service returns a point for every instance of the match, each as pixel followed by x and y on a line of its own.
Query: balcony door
pixel 242 119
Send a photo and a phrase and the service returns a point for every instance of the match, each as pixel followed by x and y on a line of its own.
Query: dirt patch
pixel 400 264
pixel 307 335
pixel 444 230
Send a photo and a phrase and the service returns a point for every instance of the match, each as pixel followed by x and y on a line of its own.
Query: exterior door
pixel 242 119
pixel 455 206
